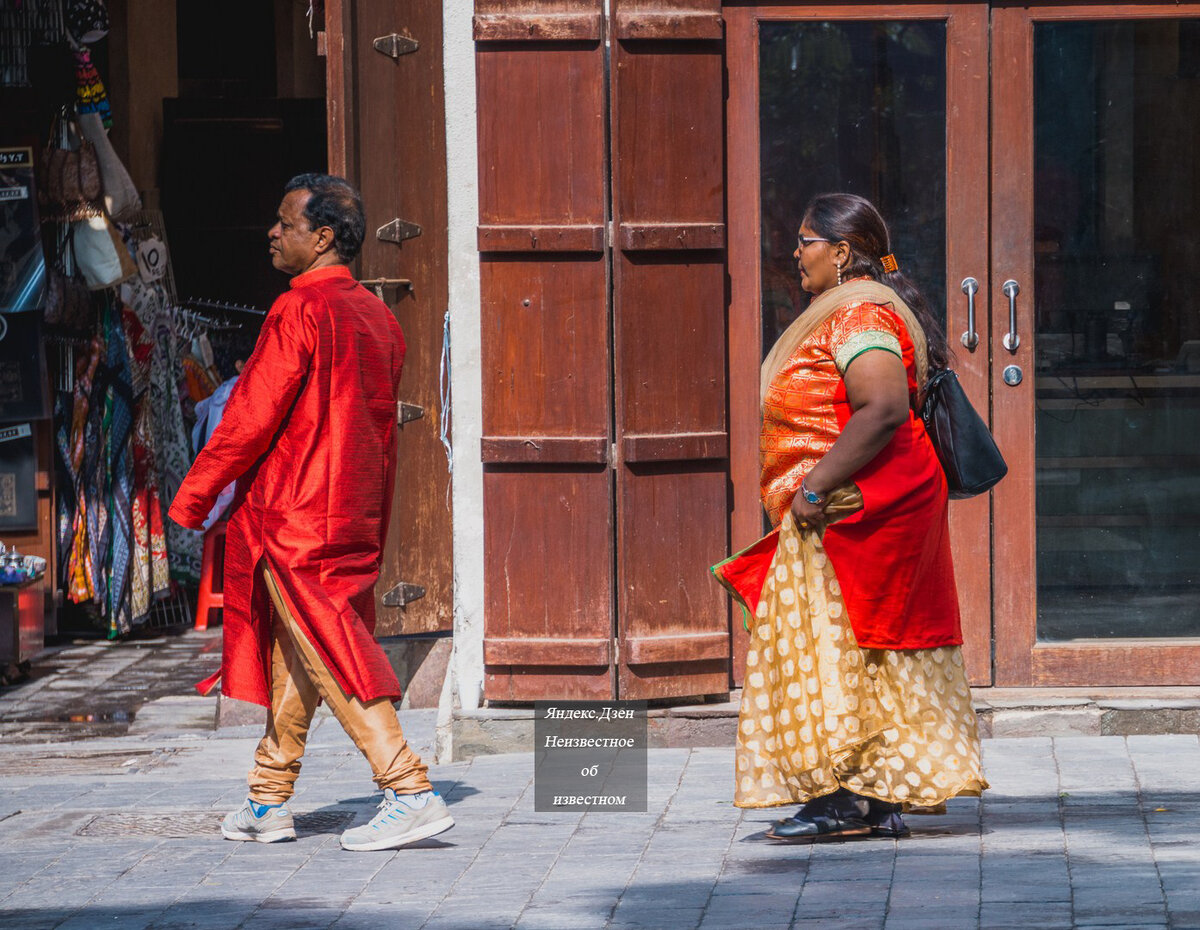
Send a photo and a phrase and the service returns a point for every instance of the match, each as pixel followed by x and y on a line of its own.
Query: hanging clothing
pixel 311 427
pixel 150 575
pixel 79 568
pixel 172 447
pixel 208 415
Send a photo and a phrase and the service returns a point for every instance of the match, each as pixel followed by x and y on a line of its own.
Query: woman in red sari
pixel 856 699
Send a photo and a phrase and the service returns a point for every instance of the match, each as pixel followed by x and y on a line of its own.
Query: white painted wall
pixel 464 683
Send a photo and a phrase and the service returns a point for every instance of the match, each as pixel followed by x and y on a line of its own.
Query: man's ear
pixel 325 239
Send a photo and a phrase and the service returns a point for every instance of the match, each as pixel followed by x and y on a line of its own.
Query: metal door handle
pixel 1011 340
pixel 970 338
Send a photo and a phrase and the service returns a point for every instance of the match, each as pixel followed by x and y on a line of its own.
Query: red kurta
pixel 310 434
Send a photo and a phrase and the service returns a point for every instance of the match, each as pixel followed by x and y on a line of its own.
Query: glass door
pixel 886 102
pixel 1095 344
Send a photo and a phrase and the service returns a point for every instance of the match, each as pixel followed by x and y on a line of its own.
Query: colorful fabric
pixel 150 576
pixel 819 713
pixel 119 474
pixel 91 97
pixel 893 556
pixel 172 448
pixel 79 573
pixel 311 427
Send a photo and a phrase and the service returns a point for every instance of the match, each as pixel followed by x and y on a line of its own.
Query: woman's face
pixel 817 260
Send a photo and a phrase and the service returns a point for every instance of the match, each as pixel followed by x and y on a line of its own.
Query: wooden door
pixel 1097 398
pixel 547 424
pixel 838 53
pixel 669 299
pixel 602 248
pixel 387 136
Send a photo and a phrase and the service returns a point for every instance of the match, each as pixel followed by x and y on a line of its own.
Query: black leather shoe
pixel 884 820
pixel 817 829
pixel 834 816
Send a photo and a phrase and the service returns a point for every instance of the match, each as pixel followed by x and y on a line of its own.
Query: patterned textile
pixel 819 713
pixel 805 406
pixel 78 577
pixel 90 93
pixel 95 481
pixel 172 447
pixel 893 557
pixel 149 570
pixel 119 461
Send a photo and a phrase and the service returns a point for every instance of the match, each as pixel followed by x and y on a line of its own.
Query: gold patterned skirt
pixel 819 713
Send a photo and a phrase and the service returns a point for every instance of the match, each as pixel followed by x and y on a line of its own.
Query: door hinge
pixel 406 413
pixel 612 456
pixel 403 594
pixel 379 285
pixel 397 231
pixel 395 45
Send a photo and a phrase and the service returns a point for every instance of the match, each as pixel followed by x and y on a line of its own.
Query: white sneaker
pixel 274 825
pixel 402 819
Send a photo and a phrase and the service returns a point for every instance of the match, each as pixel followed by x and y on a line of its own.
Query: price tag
pixel 152 259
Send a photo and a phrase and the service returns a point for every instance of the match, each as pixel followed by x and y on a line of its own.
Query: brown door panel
pixel 387 135
pixel 547 496
pixel 669 324
pixel 548 582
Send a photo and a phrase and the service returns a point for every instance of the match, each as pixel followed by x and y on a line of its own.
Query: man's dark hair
pixel 334 203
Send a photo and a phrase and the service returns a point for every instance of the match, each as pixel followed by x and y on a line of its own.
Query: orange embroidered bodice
pixel 805 406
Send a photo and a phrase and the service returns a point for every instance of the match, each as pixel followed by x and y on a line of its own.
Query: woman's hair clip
pixel 889 263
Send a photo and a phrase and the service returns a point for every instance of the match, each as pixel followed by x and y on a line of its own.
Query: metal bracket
pixel 378 285
pixel 403 594
pixel 406 413
pixel 395 45
pixel 397 231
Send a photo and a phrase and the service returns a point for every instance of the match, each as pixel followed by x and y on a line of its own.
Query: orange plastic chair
pixel 212 566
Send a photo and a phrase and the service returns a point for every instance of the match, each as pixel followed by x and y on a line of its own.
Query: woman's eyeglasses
pixel 802 241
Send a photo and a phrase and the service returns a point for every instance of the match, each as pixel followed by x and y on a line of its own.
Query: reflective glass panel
pixel 857 107
pixel 1117 349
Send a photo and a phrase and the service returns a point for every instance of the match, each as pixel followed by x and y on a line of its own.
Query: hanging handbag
pixel 87 20
pixel 120 194
pixel 100 254
pixel 69 184
pixel 964 444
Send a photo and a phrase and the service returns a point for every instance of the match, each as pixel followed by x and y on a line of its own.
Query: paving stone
pixel 1105 821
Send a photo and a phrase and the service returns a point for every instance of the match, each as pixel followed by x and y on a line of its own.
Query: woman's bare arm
pixel 877 389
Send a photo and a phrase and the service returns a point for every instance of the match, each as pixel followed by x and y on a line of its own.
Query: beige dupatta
pixel 823 307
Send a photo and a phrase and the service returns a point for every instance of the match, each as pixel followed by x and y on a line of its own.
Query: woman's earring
pixel 839 268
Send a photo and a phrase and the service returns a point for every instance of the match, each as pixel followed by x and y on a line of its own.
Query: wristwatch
pixel 811 496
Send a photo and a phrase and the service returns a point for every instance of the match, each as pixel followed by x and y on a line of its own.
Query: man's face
pixel 294 246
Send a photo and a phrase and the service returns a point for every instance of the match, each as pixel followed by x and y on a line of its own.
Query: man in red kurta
pixel 309 434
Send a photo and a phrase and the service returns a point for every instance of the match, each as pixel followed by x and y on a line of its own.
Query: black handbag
pixel 963 443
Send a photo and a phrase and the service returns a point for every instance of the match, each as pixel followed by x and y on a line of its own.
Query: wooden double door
pixel 603 366
pixel 1036 164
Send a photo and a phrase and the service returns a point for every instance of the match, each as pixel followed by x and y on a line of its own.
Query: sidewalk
pixel 122 831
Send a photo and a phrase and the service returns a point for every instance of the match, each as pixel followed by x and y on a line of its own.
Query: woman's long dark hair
pixel 854 220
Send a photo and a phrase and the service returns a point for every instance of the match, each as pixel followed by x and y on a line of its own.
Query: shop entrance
pixel 1056 242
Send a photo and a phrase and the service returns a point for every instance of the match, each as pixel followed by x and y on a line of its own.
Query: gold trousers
pixel 298 680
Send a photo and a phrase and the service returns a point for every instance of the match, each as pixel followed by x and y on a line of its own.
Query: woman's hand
pixel 806 515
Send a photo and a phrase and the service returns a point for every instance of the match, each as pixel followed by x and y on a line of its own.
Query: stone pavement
pixel 121 831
